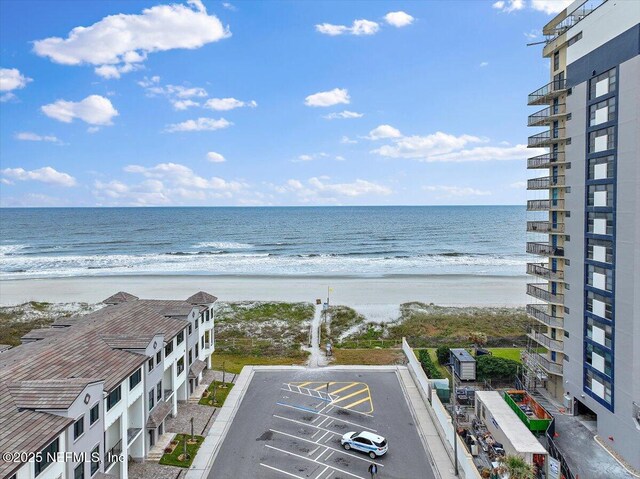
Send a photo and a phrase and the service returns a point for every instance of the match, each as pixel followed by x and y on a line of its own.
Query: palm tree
pixel 516 467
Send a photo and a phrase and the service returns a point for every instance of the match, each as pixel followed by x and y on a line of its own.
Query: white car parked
pixel 364 441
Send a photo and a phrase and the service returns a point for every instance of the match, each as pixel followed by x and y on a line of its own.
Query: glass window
pixel 190 356
pixel 600 195
pixel 600 250
pixel 599 305
pixel 151 399
pixel 150 364
pixel 48 454
pixel 601 355
pixel 114 398
pixel 95 459
pixel 602 112
pixel 598 277
pixel 601 140
pixel 599 332
pixel 601 168
pixel 190 330
pixel 180 337
pixel 78 472
pixel 78 428
pixel 168 349
pixel 135 379
pixel 556 60
pixel 94 414
pixel 180 365
pixel 602 84
pixel 159 391
pixel 159 357
pixel 600 223
pixel 600 386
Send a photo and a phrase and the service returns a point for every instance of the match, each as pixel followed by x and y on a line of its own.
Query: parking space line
pixel 342 398
pixel 280 471
pixel 322 437
pixel 312 460
pixel 330 454
pixel 320 455
pixel 324 385
pixel 329 447
pixel 355 403
pixel 311 453
pixel 316 433
pixel 308 392
pixel 325 415
pixel 345 388
pixel 305 424
pixel 322 473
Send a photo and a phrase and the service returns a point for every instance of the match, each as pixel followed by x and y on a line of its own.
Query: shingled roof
pixel 161 411
pixel 120 297
pixel 196 368
pixel 48 393
pixel 38 334
pixel 201 298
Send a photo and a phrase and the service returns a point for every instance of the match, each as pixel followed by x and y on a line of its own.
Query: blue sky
pixel 267 103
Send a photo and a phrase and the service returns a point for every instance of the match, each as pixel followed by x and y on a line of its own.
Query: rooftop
pixel 462 354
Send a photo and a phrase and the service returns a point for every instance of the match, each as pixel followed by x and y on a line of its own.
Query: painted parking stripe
pixel 307 459
pixel 280 471
pixel 355 403
pixel 319 414
pixel 342 398
pixel 329 447
pixel 324 385
pixel 320 429
pixel 350 385
pixel 322 473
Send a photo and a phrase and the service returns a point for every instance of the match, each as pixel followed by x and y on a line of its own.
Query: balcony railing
pixel 542 270
pixel 572 19
pixel 547 138
pixel 540 291
pixel 112 456
pixel 546 115
pixel 541 313
pixel 545 182
pixel 546 341
pixel 544 249
pixel 548 92
pixel 544 227
pixel 545 205
pixel 546 161
pixel 537 359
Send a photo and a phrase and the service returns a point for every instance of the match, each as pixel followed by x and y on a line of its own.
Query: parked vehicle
pixel 364 441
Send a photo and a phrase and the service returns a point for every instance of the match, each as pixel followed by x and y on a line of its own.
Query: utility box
pixel 464 364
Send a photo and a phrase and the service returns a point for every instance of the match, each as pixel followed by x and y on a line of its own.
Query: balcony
pixel 540 291
pixel 542 271
pixel 544 249
pixel 548 92
pixel 545 205
pixel 537 359
pixel 545 182
pixel 168 393
pixel 112 456
pixel 547 138
pixel 132 434
pixel 541 313
pixel 546 341
pixel 546 161
pixel 547 115
pixel 544 227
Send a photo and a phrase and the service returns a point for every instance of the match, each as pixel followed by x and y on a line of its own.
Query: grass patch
pixel 233 363
pixel 507 353
pixel 262 328
pixel 220 394
pixel 174 458
pixel 368 357
pixel 39 305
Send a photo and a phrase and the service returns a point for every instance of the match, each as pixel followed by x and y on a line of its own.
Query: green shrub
pixel 430 369
pixel 442 353
pixel 494 368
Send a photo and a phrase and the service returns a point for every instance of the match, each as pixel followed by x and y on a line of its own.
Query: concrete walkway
pixel 439 457
pixel 317 358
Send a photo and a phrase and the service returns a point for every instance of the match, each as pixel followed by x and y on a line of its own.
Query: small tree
pixel 516 467
pixel 494 368
pixel 442 353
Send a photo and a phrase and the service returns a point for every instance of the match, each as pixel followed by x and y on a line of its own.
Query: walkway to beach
pixel 317 358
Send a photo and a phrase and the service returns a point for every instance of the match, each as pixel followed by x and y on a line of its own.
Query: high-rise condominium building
pixel 587 289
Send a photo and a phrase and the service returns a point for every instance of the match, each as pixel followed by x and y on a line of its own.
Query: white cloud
pixel 184 104
pixel 166 183
pixel 44 175
pixel 359 27
pixel 398 19
pixel 509 6
pixel 550 6
pixel 346 114
pixel 12 79
pixel 484 64
pixel 455 191
pixel 224 104
pixel 120 43
pixel 94 110
pixel 328 98
pixel 384 131
pixel 29 136
pixel 229 6
pixel 320 189
pixel 533 34
pixel 345 140
pixel 214 157
pixel 444 147
pixel 199 124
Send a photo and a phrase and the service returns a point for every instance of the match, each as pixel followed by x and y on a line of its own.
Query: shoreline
pixel 443 290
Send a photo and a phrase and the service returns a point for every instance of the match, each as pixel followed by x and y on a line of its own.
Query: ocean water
pixel 322 241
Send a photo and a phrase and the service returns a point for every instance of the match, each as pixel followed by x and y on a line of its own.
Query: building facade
pixel 99 387
pixel 587 288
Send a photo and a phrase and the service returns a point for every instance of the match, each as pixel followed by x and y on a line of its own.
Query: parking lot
pixel 290 423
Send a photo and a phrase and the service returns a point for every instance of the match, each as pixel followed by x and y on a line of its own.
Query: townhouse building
pixel 97 389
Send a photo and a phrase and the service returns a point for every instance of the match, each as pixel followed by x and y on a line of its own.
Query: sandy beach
pixel 446 290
